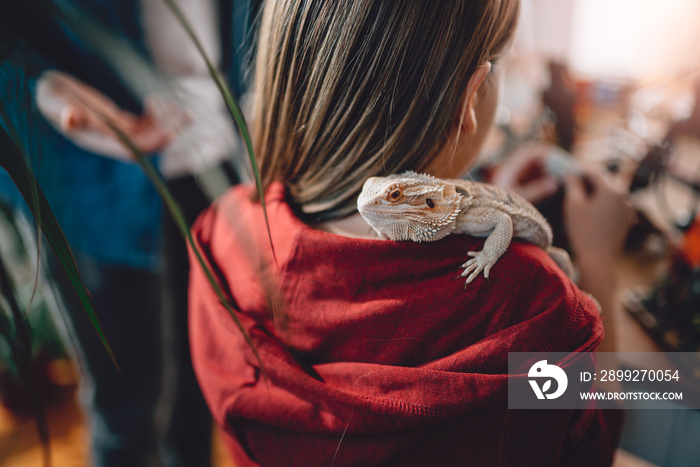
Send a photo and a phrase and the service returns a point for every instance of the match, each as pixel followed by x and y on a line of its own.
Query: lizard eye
pixel 394 195
pixel 429 202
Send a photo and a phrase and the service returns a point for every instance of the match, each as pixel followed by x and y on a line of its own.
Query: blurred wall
pixel 619 39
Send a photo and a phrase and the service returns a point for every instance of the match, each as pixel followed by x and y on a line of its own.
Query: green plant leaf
pixel 233 108
pixel 23 359
pixel 174 209
pixel 13 161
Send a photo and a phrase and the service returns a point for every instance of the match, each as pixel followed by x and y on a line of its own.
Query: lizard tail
pixel 561 257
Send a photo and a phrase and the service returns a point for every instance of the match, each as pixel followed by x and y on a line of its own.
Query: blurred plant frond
pixel 32 346
pixel 233 108
pixel 16 334
pixel 177 214
pixel 14 161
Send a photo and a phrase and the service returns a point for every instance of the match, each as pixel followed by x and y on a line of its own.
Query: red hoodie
pixel 378 355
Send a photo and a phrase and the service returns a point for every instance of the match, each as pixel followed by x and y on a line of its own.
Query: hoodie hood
pixel 372 342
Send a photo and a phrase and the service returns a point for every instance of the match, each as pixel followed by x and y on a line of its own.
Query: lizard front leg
pixel 482 222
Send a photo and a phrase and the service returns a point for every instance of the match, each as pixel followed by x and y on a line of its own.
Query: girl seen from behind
pixel 373 352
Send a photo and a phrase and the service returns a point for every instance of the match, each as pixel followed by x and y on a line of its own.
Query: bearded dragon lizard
pixel 422 208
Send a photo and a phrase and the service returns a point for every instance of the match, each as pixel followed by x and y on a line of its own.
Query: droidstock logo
pixel 542 370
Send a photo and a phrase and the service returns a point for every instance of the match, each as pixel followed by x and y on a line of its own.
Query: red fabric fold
pixel 374 352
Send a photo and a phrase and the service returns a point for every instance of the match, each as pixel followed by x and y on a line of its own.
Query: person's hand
pixel 84 109
pixel 597 215
pixel 524 173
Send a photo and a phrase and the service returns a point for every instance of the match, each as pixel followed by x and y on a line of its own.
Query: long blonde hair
pixel 346 90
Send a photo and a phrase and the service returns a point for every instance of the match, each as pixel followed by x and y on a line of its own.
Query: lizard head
pixel 409 206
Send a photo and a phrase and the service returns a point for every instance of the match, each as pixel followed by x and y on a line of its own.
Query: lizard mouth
pixel 389 210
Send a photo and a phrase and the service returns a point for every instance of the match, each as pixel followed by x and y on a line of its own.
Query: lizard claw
pixel 479 262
